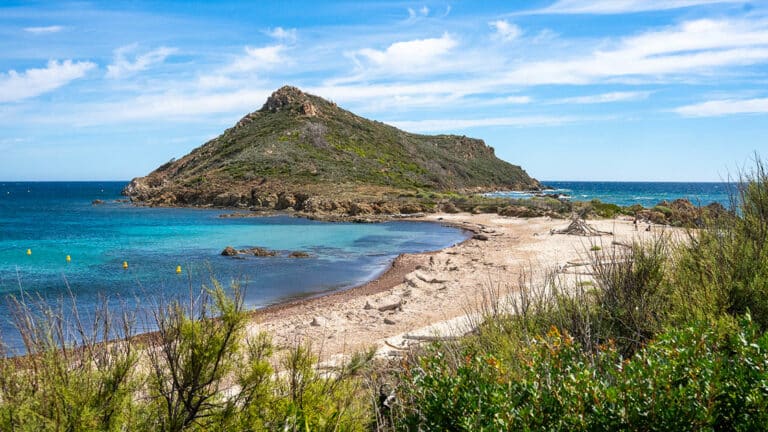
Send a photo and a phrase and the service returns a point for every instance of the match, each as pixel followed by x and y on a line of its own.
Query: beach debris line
pixel 580 227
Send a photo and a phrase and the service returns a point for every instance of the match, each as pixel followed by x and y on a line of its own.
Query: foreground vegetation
pixel 195 373
pixel 664 336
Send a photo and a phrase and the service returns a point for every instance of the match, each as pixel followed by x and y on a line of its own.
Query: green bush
pixel 712 375
pixel 724 267
pixel 605 210
pixel 199 372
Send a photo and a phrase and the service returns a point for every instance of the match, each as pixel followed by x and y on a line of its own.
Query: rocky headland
pixel 302 153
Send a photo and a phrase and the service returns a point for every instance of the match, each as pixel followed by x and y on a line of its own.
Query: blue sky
pixel 655 90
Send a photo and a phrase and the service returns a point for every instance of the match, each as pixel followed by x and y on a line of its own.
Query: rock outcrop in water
pixel 253 251
pixel 304 153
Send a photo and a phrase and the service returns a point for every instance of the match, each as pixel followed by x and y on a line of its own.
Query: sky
pixel 618 90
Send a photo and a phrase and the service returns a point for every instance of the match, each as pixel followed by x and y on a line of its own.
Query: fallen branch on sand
pixel 579 227
pixel 425 338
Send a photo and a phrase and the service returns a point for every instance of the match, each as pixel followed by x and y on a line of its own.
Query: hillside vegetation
pixel 299 146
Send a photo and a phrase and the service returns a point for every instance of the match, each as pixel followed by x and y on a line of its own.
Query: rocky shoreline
pixel 342 205
pixel 365 208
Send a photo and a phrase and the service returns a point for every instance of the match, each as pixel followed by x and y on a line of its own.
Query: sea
pixel 647 194
pixel 42 223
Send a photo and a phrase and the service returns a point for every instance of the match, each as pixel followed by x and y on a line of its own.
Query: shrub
pixel 199 371
pixel 61 386
pixel 632 294
pixel 726 264
pixel 605 210
pixel 709 375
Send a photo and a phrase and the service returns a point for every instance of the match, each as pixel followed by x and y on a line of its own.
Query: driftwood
pixel 428 280
pixel 399 348
pixel 591 263
pixel 425 338
pixel 579 227
pixel 575 264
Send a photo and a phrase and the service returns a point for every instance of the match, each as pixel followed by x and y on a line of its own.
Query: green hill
pixel 305 146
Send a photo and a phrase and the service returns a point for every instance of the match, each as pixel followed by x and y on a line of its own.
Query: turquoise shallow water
pixel 647 194
pixel 57 219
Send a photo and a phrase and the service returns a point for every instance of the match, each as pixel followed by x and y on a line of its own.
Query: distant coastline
pixel 647 194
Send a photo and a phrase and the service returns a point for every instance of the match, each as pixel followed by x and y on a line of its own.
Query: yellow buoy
pixel 178 269
pixel 29 251
pixel 125 265
pixel 69 258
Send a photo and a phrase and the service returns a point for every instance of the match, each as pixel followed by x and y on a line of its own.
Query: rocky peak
pixel 290 98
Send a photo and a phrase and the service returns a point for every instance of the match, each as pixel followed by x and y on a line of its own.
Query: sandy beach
pixel 424 294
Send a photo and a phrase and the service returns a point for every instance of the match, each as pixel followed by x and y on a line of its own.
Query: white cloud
pixel 504 30
pixel 122 66
pixel 368 97
pixel 507 100
pixel 15 86
pixel 689 51
pixel 279 33
pixel 406 57
pixel 724 107
pixel 437 125
pixel 622 6
pixel 415 91
pixel 215 81
pixel 423 11
pixel 239 72
pixel 694 47
pixel 174 105
pixel 44 30
pixel 516 99
pixel 605 98
pixel 257 59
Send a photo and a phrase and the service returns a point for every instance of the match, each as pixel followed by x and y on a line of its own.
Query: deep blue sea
pixel 648 194
pixel 54 220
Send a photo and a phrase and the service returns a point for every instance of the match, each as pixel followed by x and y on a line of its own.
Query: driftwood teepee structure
pixel 579 227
